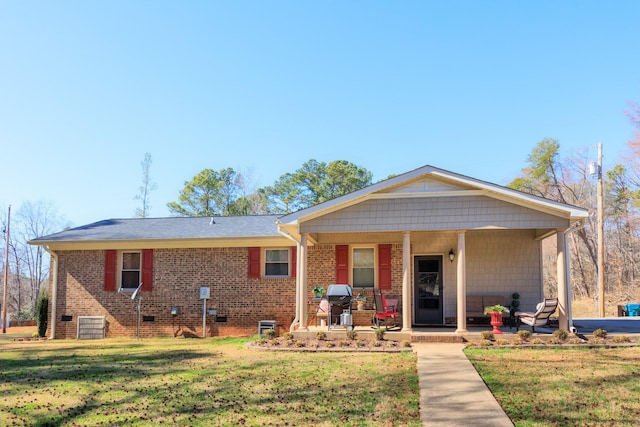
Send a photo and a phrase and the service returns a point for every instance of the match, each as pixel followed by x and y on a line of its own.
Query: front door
pixel 427 277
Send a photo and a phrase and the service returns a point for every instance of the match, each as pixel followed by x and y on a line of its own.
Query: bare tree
pixel 34 219
pixel 145 189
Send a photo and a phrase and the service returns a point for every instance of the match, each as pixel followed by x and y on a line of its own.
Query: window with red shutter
pixel 384 267
pixel 110 258
pixel 342 264
pixel 254 263
pixel 147 269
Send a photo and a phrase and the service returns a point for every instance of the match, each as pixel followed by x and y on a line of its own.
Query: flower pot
pixel 496 321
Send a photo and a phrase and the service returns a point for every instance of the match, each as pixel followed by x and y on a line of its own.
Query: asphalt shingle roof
pixel 168 228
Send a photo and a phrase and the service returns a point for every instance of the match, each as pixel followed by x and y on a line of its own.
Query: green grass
pixel 564 387
pixel 201 382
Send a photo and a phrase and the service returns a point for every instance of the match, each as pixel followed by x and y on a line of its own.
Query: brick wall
pixel 498 263
pixel 178 276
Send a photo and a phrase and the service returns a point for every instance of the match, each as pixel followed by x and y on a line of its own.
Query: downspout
pixel 296 320
pixel 567 259
pixel 54 290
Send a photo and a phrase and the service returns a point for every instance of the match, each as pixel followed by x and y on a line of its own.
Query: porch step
pixel 437 338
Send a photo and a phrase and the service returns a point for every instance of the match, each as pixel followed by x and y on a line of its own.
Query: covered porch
pixel 433 239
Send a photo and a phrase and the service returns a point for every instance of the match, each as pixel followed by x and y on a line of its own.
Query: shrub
pixel 537 341
pixel 330 344
pixel 380 333
pixel 34 335
pixel 600 333
pixel 575 340
pixel 502 341
pixel 42 308
pixel 618 339
pixel 270 334
pixel 321 335
pixel 352 335
pixel 376 343
pixel 300 343
pixel 516 341
pixel 484 343
pixel 561 335
pixel 288 336
pixel 343 344
pixel 524 335
pixel 486 335
pixel 597 340
pixel 406 343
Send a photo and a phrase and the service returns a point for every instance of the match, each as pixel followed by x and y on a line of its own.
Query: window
pixel 363 265
pixel 276 262
pixel 131 268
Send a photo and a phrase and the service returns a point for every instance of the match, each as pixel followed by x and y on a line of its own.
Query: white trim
pixel 263 263
pixel 120 269
pixel 375 264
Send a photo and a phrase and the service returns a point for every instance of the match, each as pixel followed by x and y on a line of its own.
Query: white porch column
pixel 406 282
pixel 561 265
pixel 461 273
pixel 302 277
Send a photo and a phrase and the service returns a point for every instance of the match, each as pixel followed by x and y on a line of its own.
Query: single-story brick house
pixel 430 237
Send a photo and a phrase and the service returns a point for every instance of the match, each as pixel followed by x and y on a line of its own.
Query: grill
pixel 339 297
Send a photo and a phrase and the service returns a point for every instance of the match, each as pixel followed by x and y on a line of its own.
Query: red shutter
pixel 254 263
pixel 384 267
pixel 147 269
pixel 294 260
pixel 110 257
pixel 342 264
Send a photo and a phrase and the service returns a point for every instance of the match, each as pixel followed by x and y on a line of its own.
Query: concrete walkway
pixel 451 391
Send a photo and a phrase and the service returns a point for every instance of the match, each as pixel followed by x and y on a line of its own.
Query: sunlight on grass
pixel 539 387
pixel 201 382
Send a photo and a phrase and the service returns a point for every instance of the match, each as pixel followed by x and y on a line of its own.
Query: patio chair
pixel 323 310
pixel 384 315
pixel 541 315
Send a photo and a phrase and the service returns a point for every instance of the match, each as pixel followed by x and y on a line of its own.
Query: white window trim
pixel 263 263
pixel 120 265
pixel 375 264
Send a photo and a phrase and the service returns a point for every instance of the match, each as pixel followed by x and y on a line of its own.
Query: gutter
pixel 54 290
pixel 296 320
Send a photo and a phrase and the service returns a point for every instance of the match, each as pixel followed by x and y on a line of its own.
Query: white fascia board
pixel 240 242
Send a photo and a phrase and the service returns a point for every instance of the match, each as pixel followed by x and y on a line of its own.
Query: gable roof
pixel 464 184
pixel 156 232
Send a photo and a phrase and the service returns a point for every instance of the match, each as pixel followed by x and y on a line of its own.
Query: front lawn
pixel 565 386
pixel 201 382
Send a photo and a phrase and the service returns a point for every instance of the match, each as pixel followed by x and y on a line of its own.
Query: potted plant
pixel 495 311
pixel 318 291
pixel 361 300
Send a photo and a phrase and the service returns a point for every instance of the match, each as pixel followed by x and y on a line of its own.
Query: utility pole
pixel 600 234
pixel 6 273
pixel 595 169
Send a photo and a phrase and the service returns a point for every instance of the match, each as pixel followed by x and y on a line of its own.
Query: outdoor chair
pixel 541 315
pixel 384 315
pixel 323 310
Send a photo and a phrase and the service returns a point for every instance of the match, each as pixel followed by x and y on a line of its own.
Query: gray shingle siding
pixel 442 213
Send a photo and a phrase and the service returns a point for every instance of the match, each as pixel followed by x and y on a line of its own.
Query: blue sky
pixel 87 88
